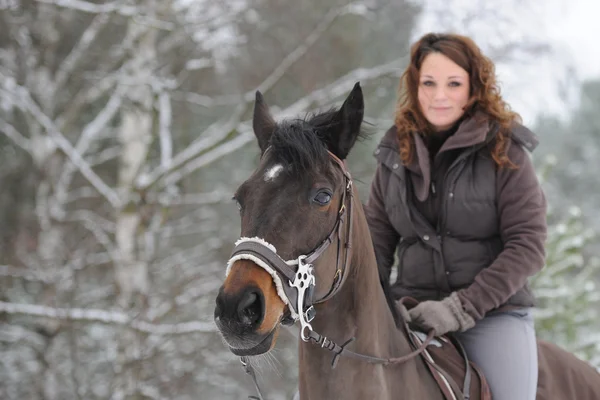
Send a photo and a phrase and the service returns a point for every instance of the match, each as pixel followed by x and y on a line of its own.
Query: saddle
pixel 457 376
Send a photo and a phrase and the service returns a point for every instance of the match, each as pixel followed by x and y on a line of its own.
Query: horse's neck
pixel 360 311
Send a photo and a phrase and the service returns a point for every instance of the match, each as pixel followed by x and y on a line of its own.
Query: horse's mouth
pixel 261 348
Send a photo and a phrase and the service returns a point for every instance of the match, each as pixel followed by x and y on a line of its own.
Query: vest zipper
pixel 460 161
pixel 441 228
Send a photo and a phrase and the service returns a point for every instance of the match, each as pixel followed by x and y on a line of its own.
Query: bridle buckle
pixel 303 279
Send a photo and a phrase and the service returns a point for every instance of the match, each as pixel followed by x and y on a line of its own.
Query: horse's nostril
pixel 250 308
pixel 247 300
pixel 219 306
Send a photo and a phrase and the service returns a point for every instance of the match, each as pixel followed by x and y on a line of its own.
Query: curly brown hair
pixel 484 92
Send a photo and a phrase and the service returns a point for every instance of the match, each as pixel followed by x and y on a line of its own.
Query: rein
pixel 330 345
pixel 342 351
pixel 296 286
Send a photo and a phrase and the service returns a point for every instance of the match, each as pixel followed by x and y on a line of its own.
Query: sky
pixel 535 83
pixel 578 30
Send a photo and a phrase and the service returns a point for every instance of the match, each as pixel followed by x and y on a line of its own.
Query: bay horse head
pixel 295 226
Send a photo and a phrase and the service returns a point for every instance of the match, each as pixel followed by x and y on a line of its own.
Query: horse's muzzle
pixel 262 347
pixel 238 317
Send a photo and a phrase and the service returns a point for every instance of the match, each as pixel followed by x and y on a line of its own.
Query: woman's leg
pixel 503 345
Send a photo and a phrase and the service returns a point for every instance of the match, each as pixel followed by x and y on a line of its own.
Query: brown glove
pixel 441 316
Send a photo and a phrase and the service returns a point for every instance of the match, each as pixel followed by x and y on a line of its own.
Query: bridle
pixel 296 286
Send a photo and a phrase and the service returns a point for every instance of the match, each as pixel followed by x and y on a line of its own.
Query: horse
pixel 305 254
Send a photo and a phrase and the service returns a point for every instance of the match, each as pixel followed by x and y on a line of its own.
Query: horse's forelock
pixel 297 145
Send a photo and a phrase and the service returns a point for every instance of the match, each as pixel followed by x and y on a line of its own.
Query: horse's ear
pixel 347 122
pixel 263 123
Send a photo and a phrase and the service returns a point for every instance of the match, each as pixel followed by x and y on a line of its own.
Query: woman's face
pixel 443 91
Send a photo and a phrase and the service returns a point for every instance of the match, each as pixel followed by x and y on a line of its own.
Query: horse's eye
pixel 323 198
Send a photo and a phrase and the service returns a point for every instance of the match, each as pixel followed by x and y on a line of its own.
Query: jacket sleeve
pixel 385 237
pixel 522 221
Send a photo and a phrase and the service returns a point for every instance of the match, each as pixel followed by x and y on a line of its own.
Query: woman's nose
pixel 440 93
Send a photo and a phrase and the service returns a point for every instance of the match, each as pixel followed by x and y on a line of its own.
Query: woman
pixel 456 195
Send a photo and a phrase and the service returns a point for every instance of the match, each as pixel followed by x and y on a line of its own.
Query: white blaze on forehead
pixel 273 172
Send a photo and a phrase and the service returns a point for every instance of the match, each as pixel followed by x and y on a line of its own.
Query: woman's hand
pixel 441 316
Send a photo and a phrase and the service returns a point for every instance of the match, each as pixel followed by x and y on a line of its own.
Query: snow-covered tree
pixel 567 288
pixel 124 130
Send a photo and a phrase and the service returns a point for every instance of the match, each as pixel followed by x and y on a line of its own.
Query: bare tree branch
pixel 277 73
pixel 87 215
pixel 42 209
pixel 105 155
pixel 107 317
pixel 84 192
pixel 89 133
pixel 342 85
pixel 245 136
pixel 208 101
pixel 79 50
pixel 211 137
pixel 24 99
pixel 149 391
pixel 89 221
pixel 25 273
pixel 115 6
pixel 118 7
pixel 196 199
pixel 14 334
pixel 299 51
pixel 13 134
pixel 164 130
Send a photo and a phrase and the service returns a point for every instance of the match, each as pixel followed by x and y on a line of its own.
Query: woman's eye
pixel 454 84
pixel 427 83
pixel 323 198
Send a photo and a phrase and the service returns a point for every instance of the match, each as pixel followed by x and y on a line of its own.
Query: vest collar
pixel 471 132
